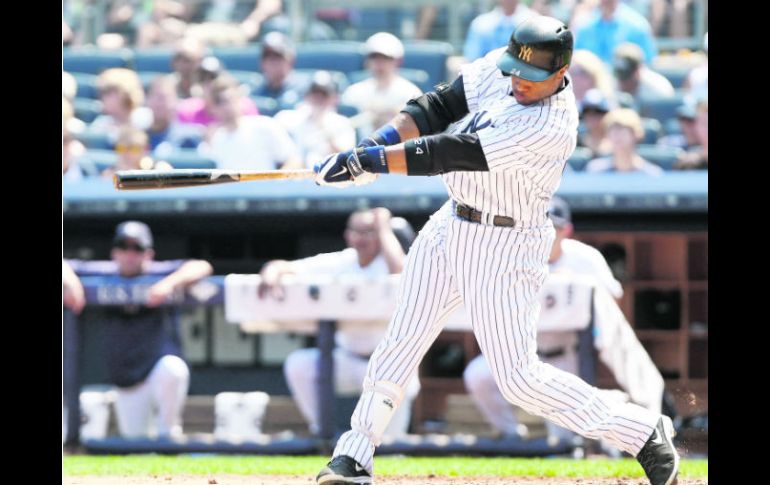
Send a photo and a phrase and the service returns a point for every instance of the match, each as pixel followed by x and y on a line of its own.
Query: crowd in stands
pixel 637 113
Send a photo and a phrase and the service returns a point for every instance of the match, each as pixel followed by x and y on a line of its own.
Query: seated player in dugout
pixel 376 245
pixel 500 135
pixel 142 343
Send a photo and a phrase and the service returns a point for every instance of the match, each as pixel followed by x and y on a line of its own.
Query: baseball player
pixel 373 250
pixel 499 135
pixel 559 348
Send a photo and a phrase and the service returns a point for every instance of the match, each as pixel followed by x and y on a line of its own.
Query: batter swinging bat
pixel 167 179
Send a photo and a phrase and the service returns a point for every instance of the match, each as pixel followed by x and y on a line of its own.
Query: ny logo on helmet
pixel 525 53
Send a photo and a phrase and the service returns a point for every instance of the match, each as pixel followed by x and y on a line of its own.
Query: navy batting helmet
pixel 538 48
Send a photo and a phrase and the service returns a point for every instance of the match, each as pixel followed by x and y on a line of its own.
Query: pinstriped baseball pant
pixel 497 273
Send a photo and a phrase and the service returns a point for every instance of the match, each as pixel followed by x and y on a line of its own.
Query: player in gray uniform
pixel 499 135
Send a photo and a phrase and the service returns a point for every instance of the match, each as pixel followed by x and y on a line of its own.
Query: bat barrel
pixel 162 179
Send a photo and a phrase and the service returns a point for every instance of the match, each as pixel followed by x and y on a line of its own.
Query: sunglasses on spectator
pixel 123 148
pixel 127 246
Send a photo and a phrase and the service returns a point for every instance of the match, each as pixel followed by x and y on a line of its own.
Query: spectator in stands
pixel 688 138
pixel 122 97
pixel 277 62
pixel 133 150
pixel 592 112
pixel 186 65
pixel 166 24
pixel 381 96
pixel 697 158
pixel 373 250
pixel 69 89
pixel 166 134
pixel 614 340
pixel 124 18
pixel 635 78
pixel 144 351
pixel 73 166
pixel 246 142
pixel 263 11
pixel 624 130
pixel 315 126
pixel 200 110
pixel 587 71
pixel 612 23
pixel 69 86
pixel 493 29
pixel 697 82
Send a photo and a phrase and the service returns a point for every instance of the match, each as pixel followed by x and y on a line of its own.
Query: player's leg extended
pixel 426 298
pixel 169 381
pixel 500 292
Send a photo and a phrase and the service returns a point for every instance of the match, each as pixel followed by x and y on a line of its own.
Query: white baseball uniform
pixel 353 347
pixel 576 259
pixel 496 271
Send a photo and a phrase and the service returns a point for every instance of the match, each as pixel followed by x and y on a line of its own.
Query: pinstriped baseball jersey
pixel 526 147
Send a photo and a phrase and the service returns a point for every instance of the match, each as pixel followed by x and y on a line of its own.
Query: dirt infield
pixel 305 480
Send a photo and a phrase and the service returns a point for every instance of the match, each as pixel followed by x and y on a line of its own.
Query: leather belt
pixel 472 215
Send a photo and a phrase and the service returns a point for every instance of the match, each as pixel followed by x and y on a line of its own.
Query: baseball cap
pixel 686 110
pixel 594 100
pixel 386 44
pixel 627 58
pixel 537 49
pixel 138 231
pixel 210 68
pixel 324 82
pixel 278 43
pixel 559 212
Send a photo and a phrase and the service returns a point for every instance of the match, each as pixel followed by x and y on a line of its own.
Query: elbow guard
pixel 434 111
pixel 434 155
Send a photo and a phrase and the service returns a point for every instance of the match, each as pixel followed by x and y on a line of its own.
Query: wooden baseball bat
pixel 168 179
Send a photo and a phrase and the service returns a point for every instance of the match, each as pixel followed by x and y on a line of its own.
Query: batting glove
pixel 333 171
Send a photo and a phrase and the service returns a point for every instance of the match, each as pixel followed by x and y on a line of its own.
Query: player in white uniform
pixel 559 348
pixel 500 136
pixel 373 250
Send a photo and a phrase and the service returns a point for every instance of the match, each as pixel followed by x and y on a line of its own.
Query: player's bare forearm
pixel 406 127
pixel 188 273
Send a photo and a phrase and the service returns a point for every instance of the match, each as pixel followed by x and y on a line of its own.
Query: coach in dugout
pixel 143 346
pixel 374 250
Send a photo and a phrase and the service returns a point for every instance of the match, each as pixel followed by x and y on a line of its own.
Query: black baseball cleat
pixel 658 457
pixel 343 470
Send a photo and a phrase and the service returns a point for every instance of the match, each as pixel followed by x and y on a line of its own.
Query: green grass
pixel 309 465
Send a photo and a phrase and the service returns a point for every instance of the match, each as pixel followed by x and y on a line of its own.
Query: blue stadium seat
pixel 347 110
pixel 429 56
pixel 580 158
pixel 345 56
pixel 188 159
pixel 672 127
pixel 94 61
pixel 661 109
pixel 243 58
pixel 87 109
pixel 416 76
pixel 86 85
pixel 675 74
pixel 652 130
pixel 662 156
pixel 153 59
pixel 95 140
pixel 266 106
pixel 101 159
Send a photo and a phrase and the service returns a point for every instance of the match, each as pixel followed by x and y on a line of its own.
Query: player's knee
pixel 174 369
pixel 301 365
pixel 477 375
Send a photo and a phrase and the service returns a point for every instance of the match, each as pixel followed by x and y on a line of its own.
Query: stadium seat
pixel 662 156
pixel 416 76
pixel 87 109
pixel 580 158
pixel 672 127
pixel 266 106
pixel 675 74
pixel 661 109
pixel 189 159
pixel 94 140
pixel 86 85
pixel 652 130
pixel 347 110
pixel 429 56
pixel 94 61
pixel 243 58
pixel 153 59
pixel 345 56
pixel 102 159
